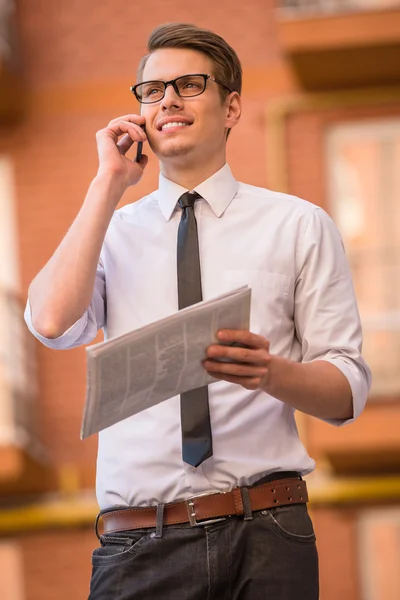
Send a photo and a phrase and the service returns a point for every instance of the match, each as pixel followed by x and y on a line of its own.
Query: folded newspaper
pixel 139 369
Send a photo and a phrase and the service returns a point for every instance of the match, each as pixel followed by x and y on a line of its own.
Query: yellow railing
pixel 79 510
pixel 355 490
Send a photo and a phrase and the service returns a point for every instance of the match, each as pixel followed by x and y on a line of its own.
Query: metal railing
pixel 305 7
pixel 18 380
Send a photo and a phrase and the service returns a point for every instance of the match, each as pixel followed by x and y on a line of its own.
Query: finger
pixel 238 370
pixel 237 354
pixel 250 383
pixel 125 143
pixel 138 119
pixel 135 132
pixel 242 337
pixel 143 161
pixel 108 136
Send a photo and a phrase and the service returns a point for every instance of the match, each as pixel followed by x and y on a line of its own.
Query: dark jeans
pixel 271 557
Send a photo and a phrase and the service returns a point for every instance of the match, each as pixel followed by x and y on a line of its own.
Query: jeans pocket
pixel 291 523
pixel 119 549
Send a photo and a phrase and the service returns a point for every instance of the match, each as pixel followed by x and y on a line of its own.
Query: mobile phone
pixel 139 151
pixel 140 147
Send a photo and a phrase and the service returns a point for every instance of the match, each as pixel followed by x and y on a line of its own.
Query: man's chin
pixel 172 149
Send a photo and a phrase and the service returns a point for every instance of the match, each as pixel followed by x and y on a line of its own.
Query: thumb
pixel 143 161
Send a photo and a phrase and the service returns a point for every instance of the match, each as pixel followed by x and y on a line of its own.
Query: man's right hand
pixel 114 141
pixel 61 292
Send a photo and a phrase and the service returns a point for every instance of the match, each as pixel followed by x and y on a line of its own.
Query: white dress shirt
pixel 290 253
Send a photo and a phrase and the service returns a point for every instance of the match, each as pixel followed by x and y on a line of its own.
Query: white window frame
pixel 384 129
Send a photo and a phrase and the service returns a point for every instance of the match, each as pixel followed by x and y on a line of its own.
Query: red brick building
pixel 322 121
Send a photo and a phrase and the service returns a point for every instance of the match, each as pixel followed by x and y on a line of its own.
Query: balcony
pixel 22 459
pixel 338 44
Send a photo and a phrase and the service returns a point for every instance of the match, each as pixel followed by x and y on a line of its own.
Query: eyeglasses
pixel 186 86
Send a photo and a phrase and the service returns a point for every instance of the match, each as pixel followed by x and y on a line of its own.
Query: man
pixel 202 496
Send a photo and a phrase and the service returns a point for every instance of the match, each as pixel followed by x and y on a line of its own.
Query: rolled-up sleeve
pixel 85 329
pixel 327 320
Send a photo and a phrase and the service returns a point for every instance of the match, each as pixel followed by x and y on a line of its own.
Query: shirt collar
pixel 218 190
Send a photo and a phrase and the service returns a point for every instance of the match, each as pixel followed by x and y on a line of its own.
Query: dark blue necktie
pixel 195 412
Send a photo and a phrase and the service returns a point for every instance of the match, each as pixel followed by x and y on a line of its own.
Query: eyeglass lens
pixel 188 85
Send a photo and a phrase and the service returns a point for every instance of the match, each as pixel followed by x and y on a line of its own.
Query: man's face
pixel 203 117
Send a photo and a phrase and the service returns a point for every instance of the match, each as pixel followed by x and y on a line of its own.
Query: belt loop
pixel 159 520
pixel 248 515
pixel 96 526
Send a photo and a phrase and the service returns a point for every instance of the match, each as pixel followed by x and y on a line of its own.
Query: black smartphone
pixel 140 147
pixel 139 151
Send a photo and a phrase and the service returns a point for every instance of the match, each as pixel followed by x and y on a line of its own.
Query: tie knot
pixel 188 199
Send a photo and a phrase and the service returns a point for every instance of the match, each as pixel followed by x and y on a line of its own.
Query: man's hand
pixel 114 141
pixel 317 388
pixel 246 366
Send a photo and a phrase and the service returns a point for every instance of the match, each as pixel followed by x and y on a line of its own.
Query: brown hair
pixel 226 64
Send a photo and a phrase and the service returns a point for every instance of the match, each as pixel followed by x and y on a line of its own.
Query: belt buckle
pixel 192 511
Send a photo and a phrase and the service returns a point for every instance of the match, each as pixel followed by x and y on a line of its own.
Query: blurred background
pixel 322 121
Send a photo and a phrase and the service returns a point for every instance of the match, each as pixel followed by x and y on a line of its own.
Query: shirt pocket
pixel 269 294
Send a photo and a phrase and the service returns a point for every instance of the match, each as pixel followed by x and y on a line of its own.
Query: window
pixel 379 553
pixel 11 572
pixel 364 191
pixel 17 367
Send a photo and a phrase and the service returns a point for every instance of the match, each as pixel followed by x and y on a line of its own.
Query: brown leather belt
pixel 203 509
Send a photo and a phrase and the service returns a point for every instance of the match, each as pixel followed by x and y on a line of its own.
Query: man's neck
pixel 189 177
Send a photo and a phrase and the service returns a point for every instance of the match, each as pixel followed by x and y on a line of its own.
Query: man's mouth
pixel 174 124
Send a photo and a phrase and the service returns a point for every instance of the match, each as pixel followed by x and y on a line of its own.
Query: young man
pixel 202 496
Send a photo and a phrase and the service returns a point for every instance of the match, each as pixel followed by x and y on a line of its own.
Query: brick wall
pixel 57 564
pixel 79 59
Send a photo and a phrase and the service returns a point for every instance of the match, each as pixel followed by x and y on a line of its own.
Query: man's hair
pixel 226 64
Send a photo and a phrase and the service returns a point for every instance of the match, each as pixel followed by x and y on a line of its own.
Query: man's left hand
pixel 246 362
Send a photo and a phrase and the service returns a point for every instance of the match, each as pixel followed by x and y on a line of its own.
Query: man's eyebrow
pixel 170 78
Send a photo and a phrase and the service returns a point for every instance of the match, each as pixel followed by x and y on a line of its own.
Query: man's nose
pixel 171 98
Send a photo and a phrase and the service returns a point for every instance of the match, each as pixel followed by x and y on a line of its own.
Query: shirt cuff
pixel 69 339
pixel 359 377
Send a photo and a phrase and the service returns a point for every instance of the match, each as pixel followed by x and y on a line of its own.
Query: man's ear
pixel 233 110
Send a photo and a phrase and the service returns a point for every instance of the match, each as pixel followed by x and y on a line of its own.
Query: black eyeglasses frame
pixel 172 82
